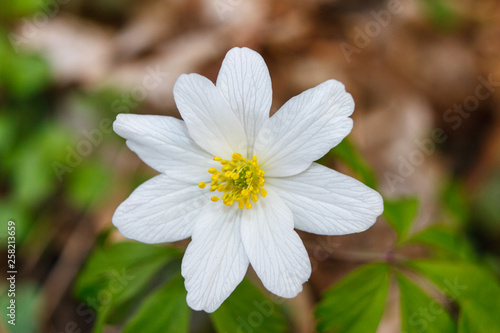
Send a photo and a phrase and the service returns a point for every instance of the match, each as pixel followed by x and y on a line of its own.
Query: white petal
pixel 276 252
pixel 208 116
pixel 326 202
pixel 165 145
pixel 215 261
pixel 304 129
pixel 161 210
pixel 245 82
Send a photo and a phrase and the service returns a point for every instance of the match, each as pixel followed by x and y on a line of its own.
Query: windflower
pixel 238 181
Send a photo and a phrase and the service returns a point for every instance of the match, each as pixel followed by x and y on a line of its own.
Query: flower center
pixel 240 180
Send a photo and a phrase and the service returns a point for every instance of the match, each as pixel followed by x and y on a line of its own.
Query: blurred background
pixel 424 75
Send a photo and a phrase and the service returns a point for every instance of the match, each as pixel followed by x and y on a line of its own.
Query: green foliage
pixel 357 302
pixel 446 241
pixel 28 307
pixel 33 177
pixel 26 75
pixel 248 310
pixel 12 210
pixel 400 214
pixel 19 8
pixel 163 311
pixel 115 279
pixel 89 184
pixel 348 154
pixel 441 14
pixel 454 201
pixel 6 134
pixel 486 206
pixel 22 75
pixel 473 288
pixel 421 313
pixel 115 275
pixel 454 269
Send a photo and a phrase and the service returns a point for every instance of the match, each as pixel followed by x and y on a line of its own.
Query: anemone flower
pixel 238 181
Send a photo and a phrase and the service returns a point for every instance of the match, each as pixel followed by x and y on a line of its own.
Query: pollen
pixel 240 180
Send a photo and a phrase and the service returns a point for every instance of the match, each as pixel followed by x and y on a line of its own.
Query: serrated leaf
pixel 170 300
pixel 421 313
pixel 248 310
pixel 444 239
pixel 400 214
pixel 356 303
pixel 474 288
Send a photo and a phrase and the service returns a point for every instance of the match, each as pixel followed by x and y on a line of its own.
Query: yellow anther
pixel 240 180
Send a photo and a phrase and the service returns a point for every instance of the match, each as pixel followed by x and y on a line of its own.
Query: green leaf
pixel 24 75
pixel 400 214
pixel 445 239
pixel 248 310
pixel 10 210
pixel 441 14
pixel 464 325
pixel 473 319
pixel 421 313
pixel 486 208
pixel 347 154
pixel 455 201
pixel 89 184
pixel 120 258
pixel 474 288
pixel 7 132
pixel 356 303
pixel 118 273
pixel 33 177
pixel 28 306
pixel 174 318
pixel 16 9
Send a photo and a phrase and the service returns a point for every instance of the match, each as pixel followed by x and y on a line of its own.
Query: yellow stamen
pixel 240 180
pixel 202 185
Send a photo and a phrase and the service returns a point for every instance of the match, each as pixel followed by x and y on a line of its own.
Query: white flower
pixel 260 167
